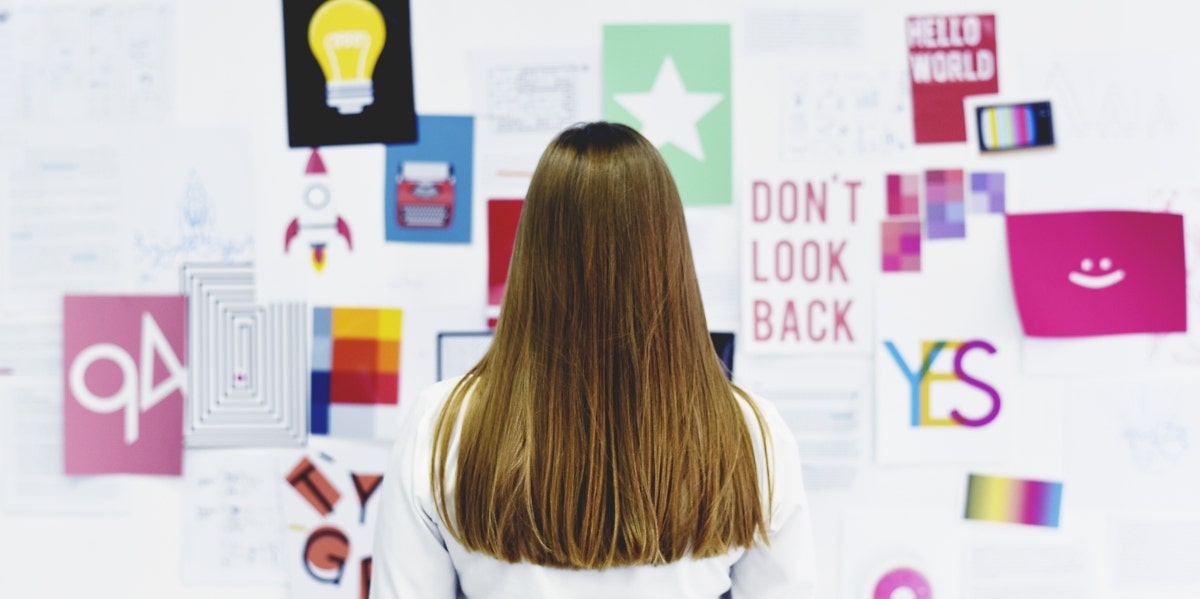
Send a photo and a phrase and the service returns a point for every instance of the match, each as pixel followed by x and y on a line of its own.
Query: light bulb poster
pixel 349 72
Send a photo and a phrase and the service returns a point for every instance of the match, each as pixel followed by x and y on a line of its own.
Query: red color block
pixel 355 355
pixel 363 388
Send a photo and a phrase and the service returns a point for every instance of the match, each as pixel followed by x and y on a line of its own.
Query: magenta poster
pixel 1098 272
pixel 125 375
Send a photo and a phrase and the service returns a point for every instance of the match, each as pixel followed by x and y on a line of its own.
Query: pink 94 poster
pixel 124 369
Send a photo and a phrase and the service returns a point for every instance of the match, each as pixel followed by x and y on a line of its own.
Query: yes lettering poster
pixel 946 356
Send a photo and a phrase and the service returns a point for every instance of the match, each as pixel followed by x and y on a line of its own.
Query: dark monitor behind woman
pixel 597 449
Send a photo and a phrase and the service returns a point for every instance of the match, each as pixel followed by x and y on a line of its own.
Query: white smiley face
pixel 1103 278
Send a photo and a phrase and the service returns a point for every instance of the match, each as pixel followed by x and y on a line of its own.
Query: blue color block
pixel 318 419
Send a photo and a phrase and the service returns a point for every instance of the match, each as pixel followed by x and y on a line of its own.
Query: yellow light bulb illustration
pixel 346 37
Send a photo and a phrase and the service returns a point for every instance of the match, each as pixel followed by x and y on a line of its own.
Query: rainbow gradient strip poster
pixel 1001 499
pixel 355 369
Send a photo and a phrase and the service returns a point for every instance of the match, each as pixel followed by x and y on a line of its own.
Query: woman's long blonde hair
pixel 600 428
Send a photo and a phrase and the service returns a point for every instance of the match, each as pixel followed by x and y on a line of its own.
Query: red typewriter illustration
pixel 425 194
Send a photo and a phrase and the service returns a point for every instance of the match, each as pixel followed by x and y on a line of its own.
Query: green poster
pixel 672 83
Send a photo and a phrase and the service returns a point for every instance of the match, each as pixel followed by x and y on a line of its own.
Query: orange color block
pixel 388 358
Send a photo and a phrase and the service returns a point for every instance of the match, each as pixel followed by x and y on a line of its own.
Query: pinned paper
pixel 1000 499
pixel 503 216
pixel 125 375
pixel 355 370
pixel 1098 272
pixel 949 57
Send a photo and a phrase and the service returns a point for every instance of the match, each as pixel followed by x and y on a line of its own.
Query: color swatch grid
pixel 947 201
pixel 903 195
pixel 355 365
pixel 901 246
pixel 987 193
pixel 945 216
pixel 1000 499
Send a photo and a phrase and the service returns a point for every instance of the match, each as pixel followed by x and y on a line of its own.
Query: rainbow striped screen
pixel 355 368
pixel 1015 126
pixel 1000 499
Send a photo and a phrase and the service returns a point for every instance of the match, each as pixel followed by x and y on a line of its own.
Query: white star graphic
pixel 668 112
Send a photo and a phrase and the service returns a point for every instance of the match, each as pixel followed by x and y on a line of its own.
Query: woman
pixel 597 449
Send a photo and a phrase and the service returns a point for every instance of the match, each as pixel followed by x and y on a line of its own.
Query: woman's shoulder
pixel 430 400
pixel 767 417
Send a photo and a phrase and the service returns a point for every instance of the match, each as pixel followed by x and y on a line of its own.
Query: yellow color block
pixel 390 325
pixel 355 323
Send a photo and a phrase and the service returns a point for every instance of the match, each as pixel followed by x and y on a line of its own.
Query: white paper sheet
pixel 31 446
pixel 106 209
pixel 845 112
pixel 1001 561
pixel 809 254
pixel 1132 444
pixel 917 546
pixel 1155 556
pixel 826 403
pixel 106 62
pixel 962 294
pixel 788 29
pixel 67 225
pixel 8 68
pixel 232 520
pixel 336 461
pixel 525 97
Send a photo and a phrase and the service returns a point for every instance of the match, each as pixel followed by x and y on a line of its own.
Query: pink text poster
pixel 125 376
pixel 949 58
pixel 1098 272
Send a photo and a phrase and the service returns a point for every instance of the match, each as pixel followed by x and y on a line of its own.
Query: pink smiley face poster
pixel 1090 273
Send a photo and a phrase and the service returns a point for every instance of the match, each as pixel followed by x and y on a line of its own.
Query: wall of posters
pixel 957 246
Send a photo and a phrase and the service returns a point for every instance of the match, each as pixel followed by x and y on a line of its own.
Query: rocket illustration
pixel 318 226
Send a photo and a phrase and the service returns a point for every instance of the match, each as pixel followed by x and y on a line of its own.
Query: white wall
pixel 1128 62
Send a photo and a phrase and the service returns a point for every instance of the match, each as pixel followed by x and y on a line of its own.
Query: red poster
pixel 949 58
pixel 503 216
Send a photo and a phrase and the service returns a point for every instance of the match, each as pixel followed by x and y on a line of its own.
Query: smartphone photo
pixel 1014 126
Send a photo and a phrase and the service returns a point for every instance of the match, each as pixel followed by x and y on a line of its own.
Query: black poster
pixel 349 72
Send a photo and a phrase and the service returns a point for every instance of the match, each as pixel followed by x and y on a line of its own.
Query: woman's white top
pixel 416 558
